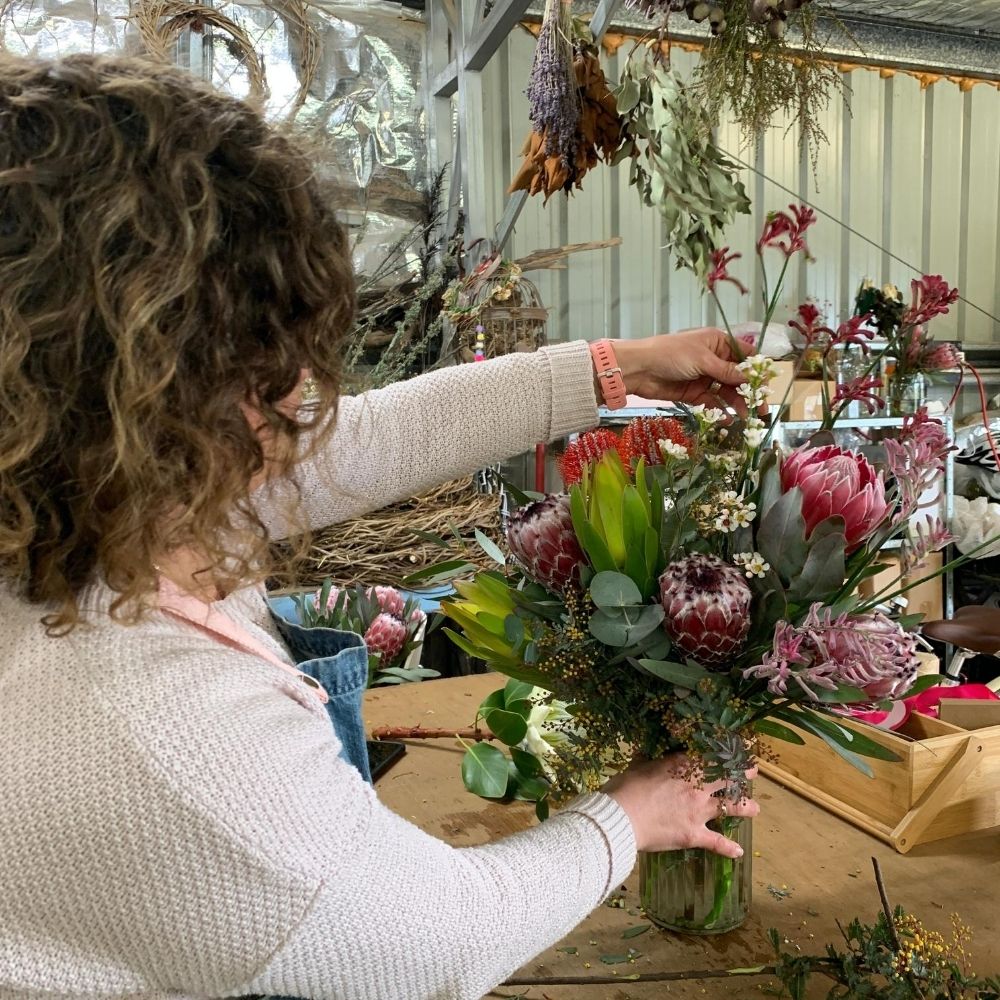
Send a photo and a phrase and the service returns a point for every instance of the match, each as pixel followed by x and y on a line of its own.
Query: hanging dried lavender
pixel 553 101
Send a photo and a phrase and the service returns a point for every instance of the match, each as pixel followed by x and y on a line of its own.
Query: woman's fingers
pixel 713 841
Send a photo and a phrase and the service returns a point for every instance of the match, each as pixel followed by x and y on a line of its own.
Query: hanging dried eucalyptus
pixel 675 164
pixel 553 101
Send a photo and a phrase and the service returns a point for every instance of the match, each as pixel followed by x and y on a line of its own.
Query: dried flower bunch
pixel 568 137
pixel 675 165
pixel 696 586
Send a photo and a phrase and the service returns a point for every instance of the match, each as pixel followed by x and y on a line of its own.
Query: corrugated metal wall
pixel 915 171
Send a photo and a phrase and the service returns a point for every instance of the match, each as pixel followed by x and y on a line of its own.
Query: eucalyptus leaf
pixel 824 571
pixel 490 547
pixel 614 590
pixel 609 628
pixel 768 727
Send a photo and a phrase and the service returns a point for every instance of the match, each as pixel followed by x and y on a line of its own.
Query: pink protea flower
pixel 386 636
pixel 331 601
pixel 840 483
pixel 542 540
pixel 785 231
pixel 869 652
pixel 389 600
pixel 721 259
pixel 809 326
pixel 707 606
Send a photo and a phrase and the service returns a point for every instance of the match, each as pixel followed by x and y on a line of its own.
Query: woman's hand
pixel 669 812
pixel 694 366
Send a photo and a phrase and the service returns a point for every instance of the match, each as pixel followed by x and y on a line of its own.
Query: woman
pixel 176 814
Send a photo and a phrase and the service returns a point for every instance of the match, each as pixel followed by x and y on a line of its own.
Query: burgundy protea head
pixel 389 600
pixel 840 483
pixel 543 542
pixel 386 636
pixel 642 437
pixel 869 652
pixel 707 606
pixel 585 450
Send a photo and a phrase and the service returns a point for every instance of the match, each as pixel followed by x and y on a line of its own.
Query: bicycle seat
pixel 974 627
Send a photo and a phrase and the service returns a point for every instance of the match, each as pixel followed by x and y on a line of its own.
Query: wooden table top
pixel 818 867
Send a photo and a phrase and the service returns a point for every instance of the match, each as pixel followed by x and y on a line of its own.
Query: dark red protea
pixel 584 451
pixel 542 539
pixel 642 437
pixel 707 605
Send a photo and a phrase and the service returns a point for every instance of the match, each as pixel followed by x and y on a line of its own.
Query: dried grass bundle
pixel 160 23
pixel 383 547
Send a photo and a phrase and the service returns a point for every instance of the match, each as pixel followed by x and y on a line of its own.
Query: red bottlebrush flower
pixel 862 390
pixel 584 451
pixel 785 231
pixel 707 606
pixel 642 437
pixel 810 328
pixel 543 541
pixel 721 259
pixel 931 296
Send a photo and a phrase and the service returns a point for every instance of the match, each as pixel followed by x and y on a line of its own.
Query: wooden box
pixel 947 782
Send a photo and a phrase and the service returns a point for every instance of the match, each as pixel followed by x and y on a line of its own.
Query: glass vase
pixel 698 892
pixel 907 394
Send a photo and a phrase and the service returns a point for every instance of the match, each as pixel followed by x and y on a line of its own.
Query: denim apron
pixel 339 662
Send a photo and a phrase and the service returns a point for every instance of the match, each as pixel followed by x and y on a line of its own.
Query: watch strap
pixel 609 375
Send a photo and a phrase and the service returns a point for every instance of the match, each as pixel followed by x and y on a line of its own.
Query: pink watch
pixel 609 375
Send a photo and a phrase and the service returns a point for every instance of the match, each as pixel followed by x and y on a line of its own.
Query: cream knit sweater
pixel 174 818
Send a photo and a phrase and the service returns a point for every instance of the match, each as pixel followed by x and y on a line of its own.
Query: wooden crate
pixel 947 782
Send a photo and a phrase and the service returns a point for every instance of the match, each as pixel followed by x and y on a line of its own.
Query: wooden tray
pixel 947 783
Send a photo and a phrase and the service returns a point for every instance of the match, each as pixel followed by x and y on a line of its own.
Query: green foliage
pixel 488 771
pixel 618 520
pixel 901 960
pixel 675 164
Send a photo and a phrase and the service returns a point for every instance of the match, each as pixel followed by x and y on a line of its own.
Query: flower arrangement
pixel 391 625
pixel 696 586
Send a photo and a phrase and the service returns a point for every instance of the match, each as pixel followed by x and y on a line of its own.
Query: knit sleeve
pixel 409 916
pixel 392 443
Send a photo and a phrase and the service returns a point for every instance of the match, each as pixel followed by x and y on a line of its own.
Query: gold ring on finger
pixel 713 389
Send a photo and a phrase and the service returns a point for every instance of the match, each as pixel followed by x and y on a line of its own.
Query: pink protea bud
pixel 387 636
pixel 389 600
pixel 707 605
pixel 542 539
pixel 840 483
pixel 331 601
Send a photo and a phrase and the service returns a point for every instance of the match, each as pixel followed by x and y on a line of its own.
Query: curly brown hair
pixel 165 257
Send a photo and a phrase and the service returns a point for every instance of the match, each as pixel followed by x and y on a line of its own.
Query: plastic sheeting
pixel 363 118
